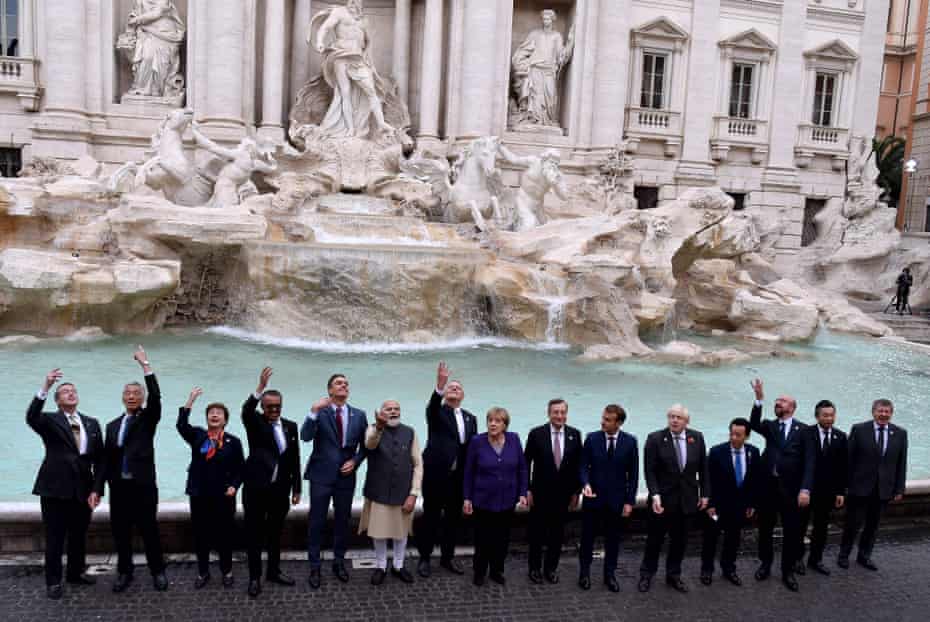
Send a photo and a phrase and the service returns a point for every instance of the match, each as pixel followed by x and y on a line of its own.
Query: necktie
pixel 129 420
pixel 781 432
pixel 460 425
pixel 610 446
pixel 76 431
pixel 279 437
pixel 679 450
pixel 738 467
pixel 826 441
pixel 557 449
pixel 339 424
pixel 881 439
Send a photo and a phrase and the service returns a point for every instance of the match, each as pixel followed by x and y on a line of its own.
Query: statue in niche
pixel 536 71
pixel 541 176
pixel 152 43
pixel 234 181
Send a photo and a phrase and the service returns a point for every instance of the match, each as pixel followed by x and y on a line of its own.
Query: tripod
pixel 893 302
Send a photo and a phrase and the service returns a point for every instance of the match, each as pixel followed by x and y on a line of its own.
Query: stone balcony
pixel 652 124
pixel 733 132
pixel 820 140
pixel 20 77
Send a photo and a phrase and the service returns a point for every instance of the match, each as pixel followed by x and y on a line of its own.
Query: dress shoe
pixel 552 577
pixel 53 591
pixel 677 584
pixel 707 578
pixel 452 565
pixel 340 572
pixel 866 562
pixel 314 578
pixel 584 582
pixel 819 567
pixel 763 573
pixel 790 582
pixel 423 568
pixel 611 583
pixel 799 568
pixel 280 578
pixel 201 580
pixel 842 562
pixel 478 580
pixel 122 582
pixel 498 577
pixel 228 579
pixel 255 588
pixel 403 574
pixel 645 583
pixel 536 576
pixel 82 579
pixel 377 577
pixel 733 578
pixel 160 581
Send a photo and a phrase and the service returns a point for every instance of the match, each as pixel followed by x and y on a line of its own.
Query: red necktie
pixel 339 426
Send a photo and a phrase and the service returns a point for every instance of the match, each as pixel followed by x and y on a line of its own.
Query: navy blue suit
pixel 614 482
pixel 730 501
pixel 326 482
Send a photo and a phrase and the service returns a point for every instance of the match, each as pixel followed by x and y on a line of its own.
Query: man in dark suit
pixel 65 483
pixel 449 430
pixel 675 461
pixel 789 468
pixel 609 475
pixel 271 480
pixel 829 491
pixel 877 471
pixel 337 431
pixel 130 474
pixel 735 474
pixel 553 454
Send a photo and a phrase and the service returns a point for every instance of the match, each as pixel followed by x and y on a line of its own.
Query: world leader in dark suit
pixel 789 467
pixel 130 474
pixel 65 482
pixel 877 472
pixel 553 455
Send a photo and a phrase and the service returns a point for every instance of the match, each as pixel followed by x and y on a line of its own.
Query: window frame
pixel 817 112
pixel 753 88
pixel 5 39
pixel 663 93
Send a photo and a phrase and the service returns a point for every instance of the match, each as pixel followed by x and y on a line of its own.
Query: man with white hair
pixel 542 174
pixel 675 462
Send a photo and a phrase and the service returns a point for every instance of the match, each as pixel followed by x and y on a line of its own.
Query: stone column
pixel 27 29
pixel 871 60
pixel 226 25
pixel 300 51
pixel 613 62
pixel 65 58
pixel 273 71
pixel 431 72
pixel 477 75
pixel 401 59
pixel 789 81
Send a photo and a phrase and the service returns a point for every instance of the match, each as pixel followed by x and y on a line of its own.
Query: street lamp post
pixel 910 167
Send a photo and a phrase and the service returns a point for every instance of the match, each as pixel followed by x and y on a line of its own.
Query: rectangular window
pixel 824 99
pixel 646 197
pixel 741 91
pixel 9 27
pixel 809 227
pixel 11 161
pixel 652 94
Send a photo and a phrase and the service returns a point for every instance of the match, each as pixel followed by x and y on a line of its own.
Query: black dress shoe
pixel 763 573
pixel 536 576
pixel 228 580
pixel 281 579
pixel 478 580
pixel 498 577
pixel 201 580
pixel 733 578
pixel 403 574
pixel 707 578
pixel 255 588
pixel 790 582
pixel 611 583
pixel 82 579
pixel 842 562
pixel 340 572
pixel 645 583
pixel 677 584
pixel 54 591
pixel 799 568
pixel 452 565
pixel 819 567
pixel 552 577
pixel 866 562
pixel 122 582
pixel 314 578
pixel 423 568
pixel 584 582
pixel 160 581
pixel 377 577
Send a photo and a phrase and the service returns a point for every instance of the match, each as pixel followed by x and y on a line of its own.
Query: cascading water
pixel 670 326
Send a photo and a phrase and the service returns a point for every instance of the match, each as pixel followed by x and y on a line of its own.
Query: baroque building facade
pixel 765 98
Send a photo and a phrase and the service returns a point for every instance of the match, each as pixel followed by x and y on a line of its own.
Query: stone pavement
pixel 900 591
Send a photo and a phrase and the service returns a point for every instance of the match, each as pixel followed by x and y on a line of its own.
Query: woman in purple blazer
pixel 495 482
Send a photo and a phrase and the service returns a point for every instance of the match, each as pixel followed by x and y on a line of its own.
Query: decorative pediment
pixel 660 32
pixel 750 39
pixel 834 54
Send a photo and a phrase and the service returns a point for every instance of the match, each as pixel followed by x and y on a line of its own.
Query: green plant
pixel 889 159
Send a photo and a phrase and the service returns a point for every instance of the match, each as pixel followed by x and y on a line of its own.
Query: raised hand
pixel 321 404
pixel 381 419
pixel 51 378
pixel 263 379
pixel 195 393
pixel 757 388
pixel 442 375
pixel 140 357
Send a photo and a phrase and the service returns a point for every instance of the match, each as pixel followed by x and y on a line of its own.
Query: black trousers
pixel 731 525
pixel 214 521
pixel 442 511
pixel 265 510
pixel 859 511
pixel 547 530
pixel 492 539
pixel 134 504
pixel 675 524
pixel 817 515
pixel 64 519
pixel 780 502
pixel 610 523
pixel 902 294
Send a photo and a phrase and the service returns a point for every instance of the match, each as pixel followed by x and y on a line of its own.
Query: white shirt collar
pixel 876 425
pixel 738 451
pixel 553 431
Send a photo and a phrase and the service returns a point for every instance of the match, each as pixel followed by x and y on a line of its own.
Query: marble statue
pixel 152 44
pixel 537 64
pixel 233 182
pixel 541 176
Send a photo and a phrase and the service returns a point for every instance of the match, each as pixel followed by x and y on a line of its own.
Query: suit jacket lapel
pixel 62 421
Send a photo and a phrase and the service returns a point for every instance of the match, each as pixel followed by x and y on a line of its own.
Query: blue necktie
pixel 129 421
pixel 738 467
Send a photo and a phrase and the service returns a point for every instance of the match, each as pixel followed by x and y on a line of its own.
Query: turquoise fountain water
pixel 849 371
